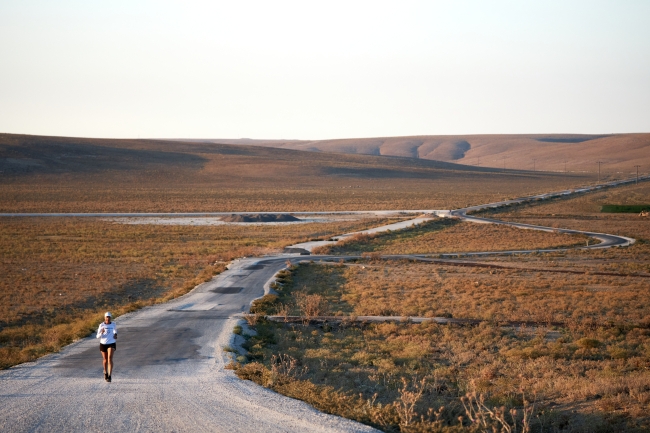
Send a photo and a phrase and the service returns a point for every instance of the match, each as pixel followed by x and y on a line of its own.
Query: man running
pixel 107 345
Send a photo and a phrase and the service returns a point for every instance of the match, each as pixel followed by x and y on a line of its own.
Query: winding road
pixel 169 367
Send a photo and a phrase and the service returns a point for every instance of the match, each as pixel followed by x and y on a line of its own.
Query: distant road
pixel 606 240
pixel 169 366
pixel 207 214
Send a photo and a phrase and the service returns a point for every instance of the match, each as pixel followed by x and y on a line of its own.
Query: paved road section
pixel 169 369
pixel 169 373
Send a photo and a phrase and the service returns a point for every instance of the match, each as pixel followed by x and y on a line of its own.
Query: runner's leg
pixel 105 360
pixel 110 352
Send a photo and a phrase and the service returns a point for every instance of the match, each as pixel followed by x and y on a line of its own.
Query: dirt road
pixel 169 373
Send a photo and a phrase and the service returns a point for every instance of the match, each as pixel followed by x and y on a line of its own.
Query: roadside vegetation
pixel 447 235
pixel 625 208
pixel 582 367
pixel 60 274
pixel 584 213
pixel 578 364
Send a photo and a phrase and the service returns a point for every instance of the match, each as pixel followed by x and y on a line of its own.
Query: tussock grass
pixel 589 374
pixel 365 371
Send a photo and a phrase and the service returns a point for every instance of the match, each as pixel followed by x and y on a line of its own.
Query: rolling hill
pixel 547 152
pixel 61 174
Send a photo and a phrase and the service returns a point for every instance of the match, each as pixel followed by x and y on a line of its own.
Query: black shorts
pixel 104 347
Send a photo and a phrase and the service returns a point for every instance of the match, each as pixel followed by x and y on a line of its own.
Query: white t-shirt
pixel 107 337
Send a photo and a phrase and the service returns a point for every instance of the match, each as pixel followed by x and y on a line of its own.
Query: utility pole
pixel 599 162
pixel 534 159
pixel 504 163
pixel 478 161
pixel 637 173
pixel 565 165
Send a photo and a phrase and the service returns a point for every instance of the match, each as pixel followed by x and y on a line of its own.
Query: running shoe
pixel 109 379
pixel 106 377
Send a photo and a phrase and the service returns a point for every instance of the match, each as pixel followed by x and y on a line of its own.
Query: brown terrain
pixel 548 152
pixel 584 369
pixel 57 174
pixel 579 364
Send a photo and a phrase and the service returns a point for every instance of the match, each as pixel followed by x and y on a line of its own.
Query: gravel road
pixel 169 373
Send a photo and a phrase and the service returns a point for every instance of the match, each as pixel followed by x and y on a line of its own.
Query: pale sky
pixel 317 70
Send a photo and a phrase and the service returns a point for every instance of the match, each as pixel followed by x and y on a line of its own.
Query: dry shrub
pixel 324 398
pixel 409 395
pixel 497 419
pixel 252 319
pixel 265 305
pixel 311 305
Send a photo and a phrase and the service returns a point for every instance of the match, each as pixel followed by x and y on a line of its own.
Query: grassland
pixel 551 152
pixel 59 274
pixel 443 235
pixel 588 374
pixel 583 213
pixel 582 368
pixel 51 174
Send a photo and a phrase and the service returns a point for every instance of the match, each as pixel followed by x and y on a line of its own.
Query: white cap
pixel 108 314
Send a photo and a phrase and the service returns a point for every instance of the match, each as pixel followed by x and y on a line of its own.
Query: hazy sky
pixel 313 70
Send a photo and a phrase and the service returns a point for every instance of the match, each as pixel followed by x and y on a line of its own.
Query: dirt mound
pixel 259 218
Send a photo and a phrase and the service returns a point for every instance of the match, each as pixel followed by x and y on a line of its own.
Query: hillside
pixel 548 152
pixel 58 174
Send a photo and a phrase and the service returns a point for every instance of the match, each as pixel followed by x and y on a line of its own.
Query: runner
pixel 107 345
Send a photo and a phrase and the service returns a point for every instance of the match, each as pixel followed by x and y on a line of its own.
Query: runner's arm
pixel 99 330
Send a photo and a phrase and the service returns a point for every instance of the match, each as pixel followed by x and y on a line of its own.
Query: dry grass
pixel 47 174
pixel 588 366
pixel 423 289
pixel 442 236
pixel 552 152
pixel 589 373
pixel 583 213
pixel 59 274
